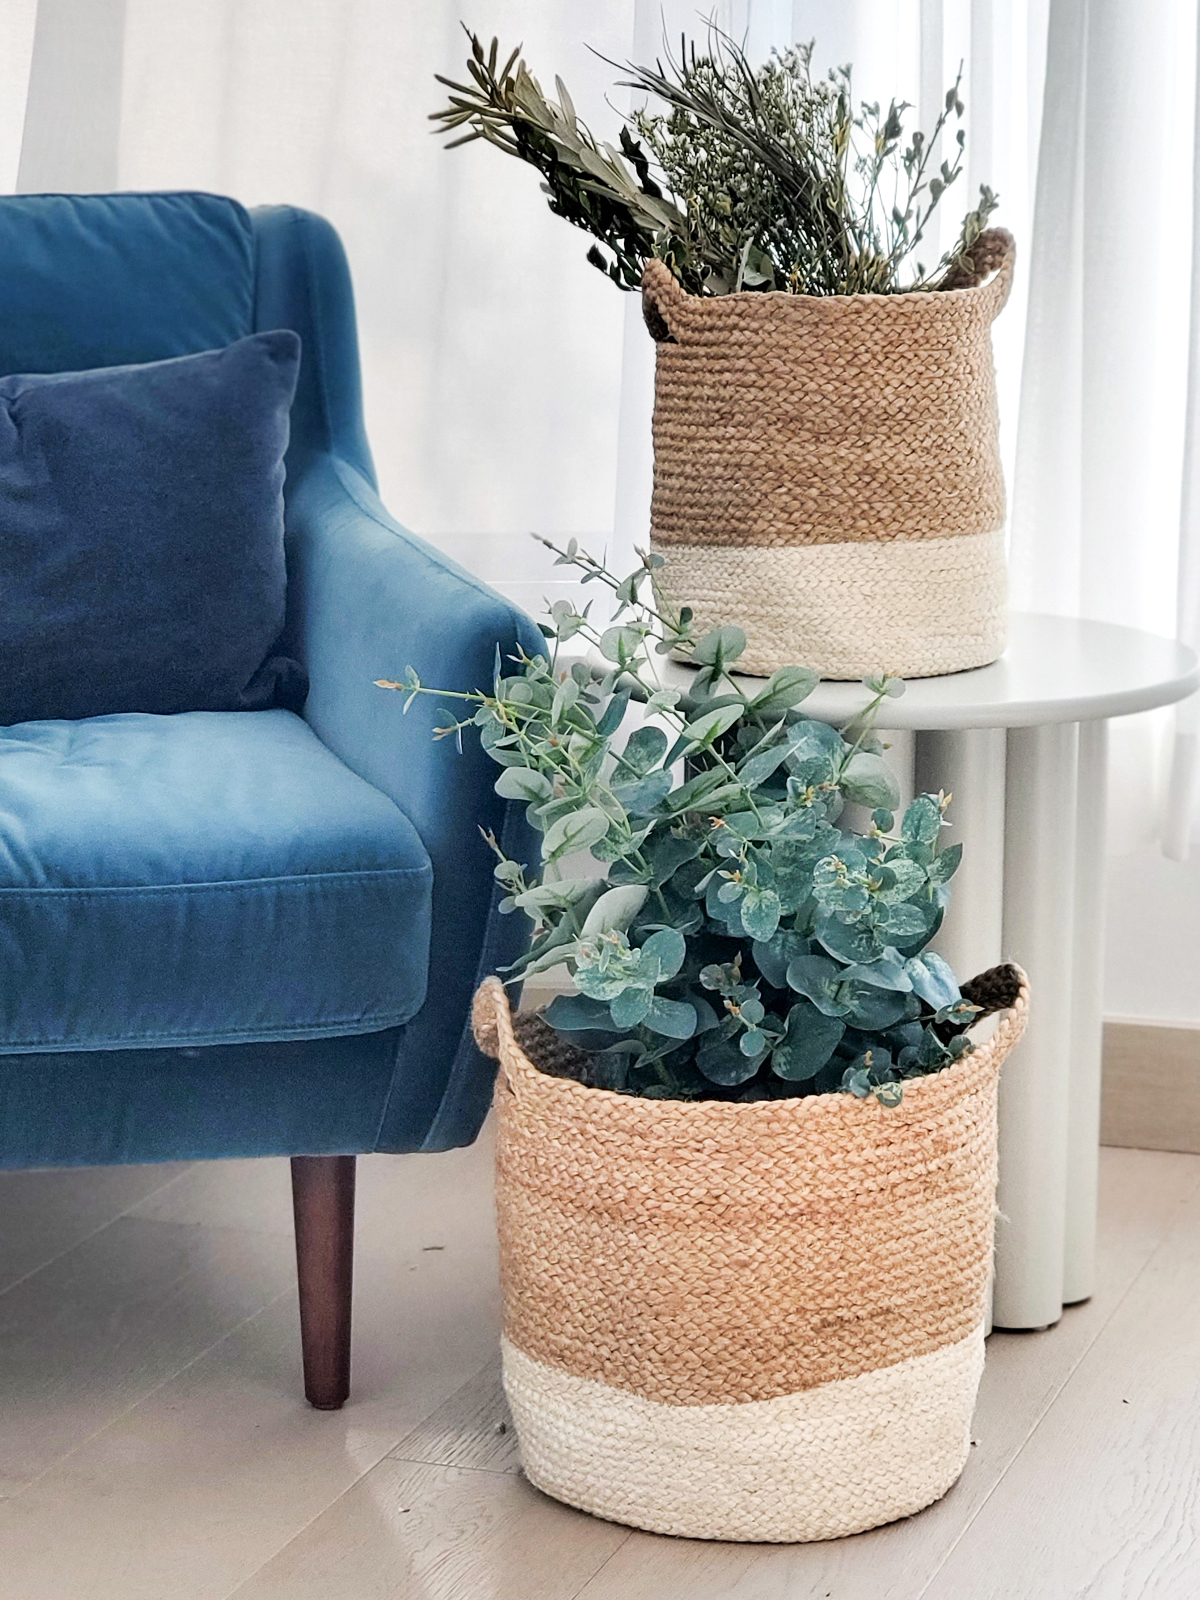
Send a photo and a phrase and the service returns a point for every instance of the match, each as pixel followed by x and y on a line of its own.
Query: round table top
pixel 1055 669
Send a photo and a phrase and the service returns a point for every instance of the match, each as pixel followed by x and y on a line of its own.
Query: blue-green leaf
pixel 785 689
pixel 758 768
pixel 719 645
pixel 670 948
pixel 933 979
pixel 760 912
pixel 674 1018
pixel 945 864
pixel 645 749
pixel 867 780
pixel 887 972
pixel 723 1062
pixel 808 1043
pixel 571 1013
pixel 902 878
pixel 922 822
pixel 523 783
pixel 667 852
pixel 630 1007
pixel 620 644
pixel 576 831
pixel 614 712
pixel 772 957
pixel 875 1009
pixel 616 908
pixel 905 920
pixel 811 740
pixel 851 942
pixel 817 978
pixel 642 797
pixel 710 725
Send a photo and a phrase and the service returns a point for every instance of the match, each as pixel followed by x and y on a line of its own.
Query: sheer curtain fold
pixel 1183 799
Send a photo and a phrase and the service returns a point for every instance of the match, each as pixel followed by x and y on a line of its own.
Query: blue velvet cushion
pixel 206 878
pixel 141 535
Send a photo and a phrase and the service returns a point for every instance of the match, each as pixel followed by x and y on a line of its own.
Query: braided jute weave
pixel 806 447
pixel 743 1321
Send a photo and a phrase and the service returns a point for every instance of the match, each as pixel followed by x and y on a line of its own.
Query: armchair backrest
pixel 104 280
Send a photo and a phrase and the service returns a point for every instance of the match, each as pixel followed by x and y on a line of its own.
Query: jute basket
pixel 759 1321
pixel 827 471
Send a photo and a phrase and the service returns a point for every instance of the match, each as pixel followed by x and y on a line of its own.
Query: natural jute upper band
pixel 786 419
pixel 703 1252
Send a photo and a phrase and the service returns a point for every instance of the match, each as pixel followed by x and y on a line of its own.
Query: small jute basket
pixel 743 1321
pixel 827 470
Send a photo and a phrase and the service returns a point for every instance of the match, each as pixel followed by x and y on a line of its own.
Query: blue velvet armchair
pixel 189 965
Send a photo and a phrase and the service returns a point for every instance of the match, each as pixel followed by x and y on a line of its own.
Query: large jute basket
pixel 743 1321
pixel 827 470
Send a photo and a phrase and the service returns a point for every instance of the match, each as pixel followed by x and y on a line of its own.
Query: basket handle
pixel 998 989
pixel 492 1024
pixel 489 1016
pixel 1002 990
pixel 663 298
pixel 995 250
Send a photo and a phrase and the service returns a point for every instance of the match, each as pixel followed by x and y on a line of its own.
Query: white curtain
pixel 491 351
pixel 17 20
pixel 508 385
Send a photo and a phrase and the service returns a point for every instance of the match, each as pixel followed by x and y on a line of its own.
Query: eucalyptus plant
pixel 728 931
pixel 737 178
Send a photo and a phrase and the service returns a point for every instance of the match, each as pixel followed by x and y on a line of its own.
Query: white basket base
pixel 913 607
pixel 829 1461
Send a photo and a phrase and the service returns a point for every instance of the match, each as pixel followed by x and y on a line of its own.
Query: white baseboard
pixel 1151 1097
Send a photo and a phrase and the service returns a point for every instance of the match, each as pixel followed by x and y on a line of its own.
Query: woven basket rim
pixel 769 296
pixel 948 1081
pixel 660 270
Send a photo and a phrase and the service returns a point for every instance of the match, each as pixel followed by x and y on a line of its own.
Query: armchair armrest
pixel 366 600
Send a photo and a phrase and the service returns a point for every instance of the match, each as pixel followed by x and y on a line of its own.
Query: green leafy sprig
pixel 730 934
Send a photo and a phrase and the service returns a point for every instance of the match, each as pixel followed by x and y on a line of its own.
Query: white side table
pixel 1022 746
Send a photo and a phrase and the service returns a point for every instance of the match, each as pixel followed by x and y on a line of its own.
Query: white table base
pixel 1029 808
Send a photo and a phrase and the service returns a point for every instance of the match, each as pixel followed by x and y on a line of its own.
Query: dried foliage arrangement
pixel 738 178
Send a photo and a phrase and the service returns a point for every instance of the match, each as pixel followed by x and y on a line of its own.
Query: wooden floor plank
pixel 472 1429
pixel 44 1213
pixel 189 1492
pixel 91 1334
pixel 439 1533
pixel 1104 1500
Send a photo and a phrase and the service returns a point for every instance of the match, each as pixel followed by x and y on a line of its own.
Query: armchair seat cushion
pixel 199 879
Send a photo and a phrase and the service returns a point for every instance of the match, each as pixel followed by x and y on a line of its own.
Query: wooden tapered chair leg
pixel 323 1203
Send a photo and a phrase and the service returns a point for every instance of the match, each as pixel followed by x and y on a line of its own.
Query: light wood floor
pixel 154 1445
